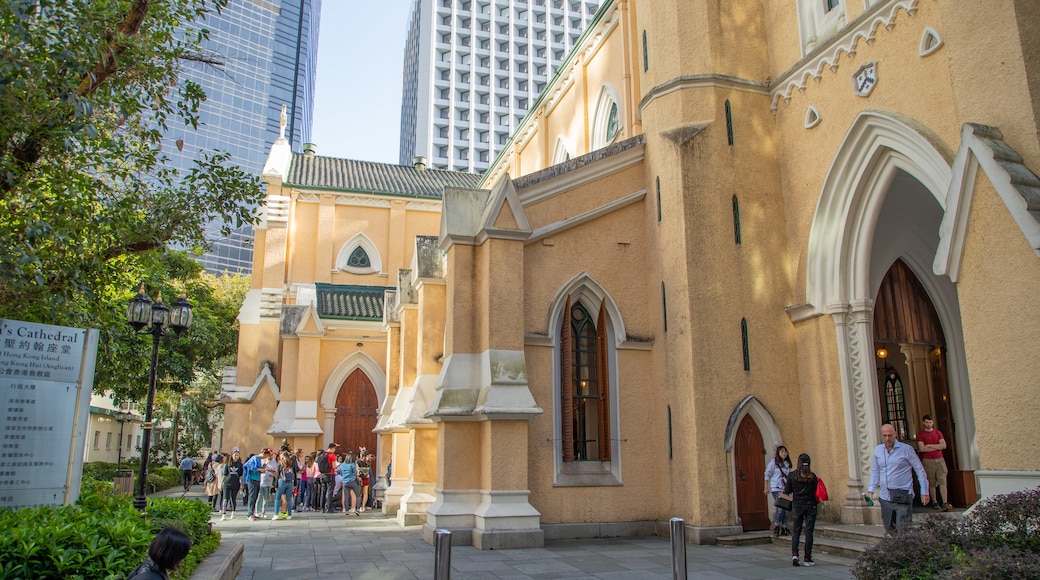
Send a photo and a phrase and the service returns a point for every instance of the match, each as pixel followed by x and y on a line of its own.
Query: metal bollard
pixel 678 531
pixel 442 555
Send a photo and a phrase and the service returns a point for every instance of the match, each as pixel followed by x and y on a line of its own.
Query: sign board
pixel 46 377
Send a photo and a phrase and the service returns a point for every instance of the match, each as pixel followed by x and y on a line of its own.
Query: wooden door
pixel 905 315
pixel 749 459
pixel 356 407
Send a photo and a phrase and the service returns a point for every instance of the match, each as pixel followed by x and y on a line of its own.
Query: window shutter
pixel 604 383
pixel 566 384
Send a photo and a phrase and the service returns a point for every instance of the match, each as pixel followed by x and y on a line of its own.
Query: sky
pixel 357 108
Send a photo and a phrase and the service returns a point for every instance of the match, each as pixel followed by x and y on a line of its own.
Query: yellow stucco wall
pixel 1000 296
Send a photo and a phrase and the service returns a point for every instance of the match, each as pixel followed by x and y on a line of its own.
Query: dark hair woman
pixel 165 554
pixel 232 483
pixel 802 485
pixel 776 477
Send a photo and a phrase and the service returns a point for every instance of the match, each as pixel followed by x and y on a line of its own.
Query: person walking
pixel 232 484
pixel 802 484
pixel 892 467
pixel 187 472
pixel 776 479
pixel 286 479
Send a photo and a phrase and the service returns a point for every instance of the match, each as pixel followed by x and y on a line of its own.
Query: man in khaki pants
pixel 930 443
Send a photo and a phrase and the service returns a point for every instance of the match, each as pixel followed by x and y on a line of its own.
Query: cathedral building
pixel 722 227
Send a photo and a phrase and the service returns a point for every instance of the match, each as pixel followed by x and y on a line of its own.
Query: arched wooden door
pixel 749 465
pixel 356 407
pixel 912 376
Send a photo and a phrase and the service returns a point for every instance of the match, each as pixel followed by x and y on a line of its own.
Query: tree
pixel 191 367
pixel 88 202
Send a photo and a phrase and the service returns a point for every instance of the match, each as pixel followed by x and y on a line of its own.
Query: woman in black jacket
pixel 165 554
pixel 802 485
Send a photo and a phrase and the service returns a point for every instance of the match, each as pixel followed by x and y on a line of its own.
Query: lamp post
pixel 151 318
pixel 122 417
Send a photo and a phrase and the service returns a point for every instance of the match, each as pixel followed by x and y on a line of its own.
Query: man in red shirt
pixel 930 443
pixel 328 475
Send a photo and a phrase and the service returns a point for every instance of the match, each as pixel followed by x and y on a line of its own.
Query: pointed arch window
pixel 613 127
pixel 586 394
pixel 587 330
pixel 606 125
pixel 359 255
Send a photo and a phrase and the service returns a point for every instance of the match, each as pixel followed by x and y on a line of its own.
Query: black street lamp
pixel 121 417
pixel 153 318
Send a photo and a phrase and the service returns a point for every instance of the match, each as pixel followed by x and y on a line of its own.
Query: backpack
pixel 323 462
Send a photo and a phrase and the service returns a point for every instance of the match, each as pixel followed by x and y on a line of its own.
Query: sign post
pixel 46 378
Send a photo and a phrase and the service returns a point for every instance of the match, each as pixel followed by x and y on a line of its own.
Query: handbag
pixel 821 491
pixel 784 501
pixel 902 496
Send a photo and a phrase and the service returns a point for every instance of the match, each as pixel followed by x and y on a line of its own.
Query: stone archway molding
pixel 877 146
pixel 329 393
pixel 766 424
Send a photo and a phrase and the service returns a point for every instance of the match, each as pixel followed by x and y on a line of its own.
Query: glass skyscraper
pixel 268 50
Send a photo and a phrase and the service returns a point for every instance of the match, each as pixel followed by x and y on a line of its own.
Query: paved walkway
pixel 372 546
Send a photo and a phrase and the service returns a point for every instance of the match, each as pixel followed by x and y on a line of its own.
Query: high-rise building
pixel 472 70
pixel 266 52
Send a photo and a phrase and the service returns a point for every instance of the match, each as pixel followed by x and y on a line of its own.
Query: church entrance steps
pixel 845 540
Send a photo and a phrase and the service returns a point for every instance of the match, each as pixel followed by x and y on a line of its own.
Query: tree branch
pixel 107 66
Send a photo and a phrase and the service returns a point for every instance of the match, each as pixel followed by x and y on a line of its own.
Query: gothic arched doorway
pixel 912 378
pixel 749 464
pixel 356 410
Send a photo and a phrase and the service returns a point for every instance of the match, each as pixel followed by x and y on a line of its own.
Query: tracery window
pixel 359 259
pixel 585 396
pixel 359 255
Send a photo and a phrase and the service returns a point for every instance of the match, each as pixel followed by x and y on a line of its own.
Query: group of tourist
pixel 892 467
pixel 323 481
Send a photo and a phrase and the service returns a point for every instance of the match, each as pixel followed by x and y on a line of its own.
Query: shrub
pixel 102 536
pixel 999 538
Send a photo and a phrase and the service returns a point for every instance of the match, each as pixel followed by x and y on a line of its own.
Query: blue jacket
pixel 348 471
pixel 251 469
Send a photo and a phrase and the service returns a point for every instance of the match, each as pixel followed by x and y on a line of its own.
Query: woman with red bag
pixel 802 484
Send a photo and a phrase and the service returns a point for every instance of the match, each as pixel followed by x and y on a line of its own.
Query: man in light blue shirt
pixel 187 472
pixel 891 467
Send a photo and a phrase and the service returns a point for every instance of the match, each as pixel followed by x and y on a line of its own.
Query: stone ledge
pixel 223 564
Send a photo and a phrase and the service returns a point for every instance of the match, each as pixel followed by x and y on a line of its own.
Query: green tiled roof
pixel 332 173
pixel 348 301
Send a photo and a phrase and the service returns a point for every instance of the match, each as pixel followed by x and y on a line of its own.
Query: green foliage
pixel 102 536
pixel 999 538
pixel 88 200
pixel 199 550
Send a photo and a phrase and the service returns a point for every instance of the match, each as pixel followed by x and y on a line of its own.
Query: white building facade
pixel 473 69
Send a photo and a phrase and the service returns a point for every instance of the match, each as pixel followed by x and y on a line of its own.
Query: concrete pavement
pixel 372 546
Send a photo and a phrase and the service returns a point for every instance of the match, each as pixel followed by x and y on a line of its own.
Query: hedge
pixel 102 536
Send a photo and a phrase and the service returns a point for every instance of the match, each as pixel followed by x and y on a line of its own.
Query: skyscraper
pixel 472 70
pixel 267 50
